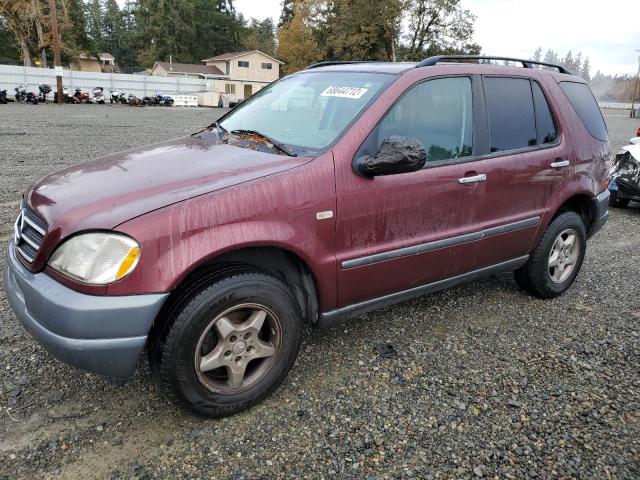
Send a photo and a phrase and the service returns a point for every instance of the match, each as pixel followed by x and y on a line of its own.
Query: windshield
pixel 307 112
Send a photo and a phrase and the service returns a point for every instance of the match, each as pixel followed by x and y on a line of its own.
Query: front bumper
pixel 101 334
pixel 601 209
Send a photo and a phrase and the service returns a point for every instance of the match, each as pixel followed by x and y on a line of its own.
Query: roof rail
pixel 336 62
pixel 431 61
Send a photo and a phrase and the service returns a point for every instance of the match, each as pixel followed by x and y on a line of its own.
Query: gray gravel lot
pixel 487 382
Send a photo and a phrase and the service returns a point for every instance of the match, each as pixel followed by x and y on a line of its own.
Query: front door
pixel 399 231
pixel 248 91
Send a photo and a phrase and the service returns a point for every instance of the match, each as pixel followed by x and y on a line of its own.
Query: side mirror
pixel 397 155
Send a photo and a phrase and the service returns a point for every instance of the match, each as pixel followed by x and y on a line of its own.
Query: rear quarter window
pixel 585 105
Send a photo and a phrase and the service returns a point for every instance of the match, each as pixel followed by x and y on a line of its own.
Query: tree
pixel 439 27
pixel 9 50
pixel 95 15
pixel 585 70
pixel 297 47
pixel 27 20
pixel 537 55
pixel 287 12
pixel 363 30
pixel 551 57
pixel 260 35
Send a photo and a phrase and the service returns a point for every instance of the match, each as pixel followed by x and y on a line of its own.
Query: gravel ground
pixel 485 382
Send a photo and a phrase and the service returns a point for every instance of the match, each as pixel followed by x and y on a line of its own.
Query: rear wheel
pixel 555 262
pixel 230 344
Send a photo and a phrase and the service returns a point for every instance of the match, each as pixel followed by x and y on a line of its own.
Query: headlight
pixel 96 258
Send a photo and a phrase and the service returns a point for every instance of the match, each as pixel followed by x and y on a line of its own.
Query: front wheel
pixel 555 262
pixel 229 345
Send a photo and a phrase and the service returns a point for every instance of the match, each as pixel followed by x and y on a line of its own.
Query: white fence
pixel 140 85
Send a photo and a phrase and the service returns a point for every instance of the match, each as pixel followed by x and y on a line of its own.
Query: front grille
pixel 29 231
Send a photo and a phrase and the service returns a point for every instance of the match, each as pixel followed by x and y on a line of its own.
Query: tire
pixel 194 331
pixel 536 277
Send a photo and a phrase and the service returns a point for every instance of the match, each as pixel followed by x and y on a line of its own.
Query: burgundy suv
pixel 334 191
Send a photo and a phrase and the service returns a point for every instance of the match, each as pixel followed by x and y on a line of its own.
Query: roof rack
pixel 336 62
pixel 431 61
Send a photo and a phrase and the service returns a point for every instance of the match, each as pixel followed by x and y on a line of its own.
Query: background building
pixel 238 75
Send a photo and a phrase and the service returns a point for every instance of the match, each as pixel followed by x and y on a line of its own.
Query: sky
pixel 516 28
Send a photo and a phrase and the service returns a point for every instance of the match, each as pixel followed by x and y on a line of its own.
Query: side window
pixel 436 112
pixel 545 126
pixel 585 105
pixel 512 123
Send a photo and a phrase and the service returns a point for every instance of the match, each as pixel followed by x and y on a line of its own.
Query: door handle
pixel 560 164
pixel 474 179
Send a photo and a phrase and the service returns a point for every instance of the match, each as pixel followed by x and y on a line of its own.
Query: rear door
pixel 527 160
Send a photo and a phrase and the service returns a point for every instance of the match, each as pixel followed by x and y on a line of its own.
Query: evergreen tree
pixel 9 50
pixel 537 55
pixel 113 31
pixel 260 35
pixel 585 70
pixel 75 33
pixel 551 57
pixel 287 12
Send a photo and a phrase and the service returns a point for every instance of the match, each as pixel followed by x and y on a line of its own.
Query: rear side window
pixel 545 126
pixel 511 115
pixel 585 105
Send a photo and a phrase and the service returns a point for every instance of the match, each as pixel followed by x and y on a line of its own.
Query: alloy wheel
pixel 564 255
pixel 237 348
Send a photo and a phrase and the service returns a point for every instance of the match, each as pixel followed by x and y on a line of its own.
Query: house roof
pixel 232 55
pixel 106 55
pixel 191 68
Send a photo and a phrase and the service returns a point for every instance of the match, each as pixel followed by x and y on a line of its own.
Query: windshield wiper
pixel 217 126
pixel 276 144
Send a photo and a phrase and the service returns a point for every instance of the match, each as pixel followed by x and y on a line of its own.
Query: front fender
pixel 276 211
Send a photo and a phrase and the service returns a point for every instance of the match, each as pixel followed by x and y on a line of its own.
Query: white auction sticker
pixel 345 92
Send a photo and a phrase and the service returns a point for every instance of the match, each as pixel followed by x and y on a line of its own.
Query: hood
pixel 106 192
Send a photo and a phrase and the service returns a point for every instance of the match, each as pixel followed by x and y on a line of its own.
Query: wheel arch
pixel 582 204
pixel 283 264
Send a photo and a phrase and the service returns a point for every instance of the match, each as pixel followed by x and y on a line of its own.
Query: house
pixel 105 63
pixel 237 75
pixel 195 70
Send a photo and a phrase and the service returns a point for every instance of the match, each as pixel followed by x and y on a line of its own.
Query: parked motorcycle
pixel 165 100
pixel 44 91
pixel 149 101
pixel 23 96
pixel 3 96
pixel 118 97
pixel 98 95
pixel 68 98
pixel 133 100
pixel 81 97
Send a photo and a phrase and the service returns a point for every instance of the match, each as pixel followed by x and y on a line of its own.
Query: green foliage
pixel 188 31
pixel 286 15
pixel 260 35
pixel 438 27
pixel 372 29
pixel 575 65
pixel 9 50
